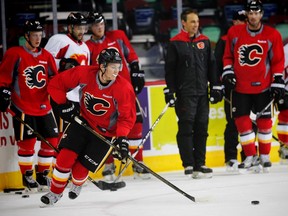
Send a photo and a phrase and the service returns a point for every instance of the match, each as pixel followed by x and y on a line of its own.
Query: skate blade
pixel 31 190
pixel 199 175
pixel 142 176
pixel 43 188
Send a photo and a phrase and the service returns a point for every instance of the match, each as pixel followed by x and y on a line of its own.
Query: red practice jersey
pixel 110 110
pixel 27 74
pixel 118 40
pixel 254 57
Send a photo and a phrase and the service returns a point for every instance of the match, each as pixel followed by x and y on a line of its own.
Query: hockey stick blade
pixel 111 186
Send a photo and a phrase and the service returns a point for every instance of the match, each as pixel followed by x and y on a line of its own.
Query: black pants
pixel 193 113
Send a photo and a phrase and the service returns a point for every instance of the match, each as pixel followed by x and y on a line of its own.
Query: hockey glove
pixel 5 98
pixel 67 63
pixel 278 88
pixel 229 79
pixel 137 77
pixel 216 94
pixel 68 110
pixel 169 97
pixel 122 144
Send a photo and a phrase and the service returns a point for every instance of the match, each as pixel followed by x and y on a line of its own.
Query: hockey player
pixel 282 126
pixel 69 50
pixel 24 75
pixel 107 105
pixel 117 39
pixel 253 66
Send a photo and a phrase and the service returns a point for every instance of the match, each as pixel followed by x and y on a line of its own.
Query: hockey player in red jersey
pixel 253 66
pixel 24 75
pixel 282 126
pixel 117 39
pixel 107 105
pixel 69 50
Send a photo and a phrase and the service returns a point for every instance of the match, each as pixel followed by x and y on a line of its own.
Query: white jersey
pixel 63 46
pixel 286 65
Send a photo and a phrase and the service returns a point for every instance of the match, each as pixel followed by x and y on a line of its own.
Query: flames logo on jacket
pixel 35 77
pixel 96 106
pixel 250 54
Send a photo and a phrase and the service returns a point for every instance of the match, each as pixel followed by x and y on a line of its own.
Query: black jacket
pixel 190 64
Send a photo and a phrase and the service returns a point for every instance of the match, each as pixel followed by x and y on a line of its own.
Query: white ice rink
pixel 225 194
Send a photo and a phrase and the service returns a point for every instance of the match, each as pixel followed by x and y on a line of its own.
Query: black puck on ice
pixel 25 196
pixel 255 202
pixel 18 192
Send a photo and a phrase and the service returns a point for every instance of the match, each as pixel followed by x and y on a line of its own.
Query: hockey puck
pixel 25 196
pixel 18 192
pixel 255 202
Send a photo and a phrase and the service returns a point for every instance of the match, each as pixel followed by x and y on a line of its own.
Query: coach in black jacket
pixel 190 66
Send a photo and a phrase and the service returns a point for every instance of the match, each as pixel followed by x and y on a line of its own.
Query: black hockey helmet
pixel 109 55
pixel 76 19
pixel 95 17
pixel 32 25
pixel 254 5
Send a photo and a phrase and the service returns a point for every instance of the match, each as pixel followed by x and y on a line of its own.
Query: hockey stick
pixel 79 121
pixel 264 109
pixel 101 184
pixel 142 141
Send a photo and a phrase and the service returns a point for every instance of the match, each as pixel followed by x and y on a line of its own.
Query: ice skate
pixel 232 165
pixel 283 154
pixel 202 172
pixel 43 180
pixel 188 171
pixel 139 172
pixel 251 163
pixel 51 198
pixel 28 181
pixel 109 172
pixel 74 191
pixel 265 163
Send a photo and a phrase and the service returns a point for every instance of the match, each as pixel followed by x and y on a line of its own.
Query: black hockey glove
pixel 169 97
pixel 67 63
pixel 5 98
pixel 68 110
pixel 137 77
pixel 229 79
pixel 278 88
pixel 122 144
pixel 216 94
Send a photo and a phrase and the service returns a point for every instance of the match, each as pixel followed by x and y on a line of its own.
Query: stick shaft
pixel 142 141
pixel 79 121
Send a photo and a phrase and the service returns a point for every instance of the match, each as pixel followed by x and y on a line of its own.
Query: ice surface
pixel 225 194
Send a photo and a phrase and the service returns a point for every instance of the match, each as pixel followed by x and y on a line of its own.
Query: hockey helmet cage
pixel 76 19
pixel 254 5
pixel 109 55
pixel 32 25
pixel 95 17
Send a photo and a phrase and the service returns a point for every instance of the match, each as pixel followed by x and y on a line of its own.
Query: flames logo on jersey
pixel 250 54
pixel 96 106
pixel 35 77
pixel 80 58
